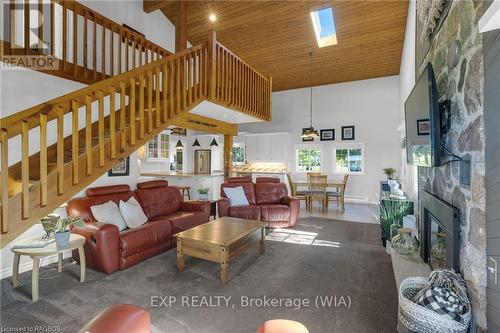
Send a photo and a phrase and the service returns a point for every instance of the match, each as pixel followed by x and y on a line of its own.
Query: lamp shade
pixel 214 143
pixel 196 143
pixel 179 144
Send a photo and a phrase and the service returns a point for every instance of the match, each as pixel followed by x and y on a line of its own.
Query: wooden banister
pixel 150 98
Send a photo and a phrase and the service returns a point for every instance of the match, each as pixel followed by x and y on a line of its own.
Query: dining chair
pixel 301 195
pixel 317 188
pixel 339 194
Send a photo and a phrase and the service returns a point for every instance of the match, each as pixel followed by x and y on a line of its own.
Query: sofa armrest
pixel 196 206
pixel 223 207
pixel 120 318
pixel 294 205
pixel 102 245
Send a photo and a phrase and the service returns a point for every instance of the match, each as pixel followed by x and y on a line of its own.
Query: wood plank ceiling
pixel 275 37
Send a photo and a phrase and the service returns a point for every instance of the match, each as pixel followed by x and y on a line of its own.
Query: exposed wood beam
pixel 204 124
pixel 151 5
pixel 181 26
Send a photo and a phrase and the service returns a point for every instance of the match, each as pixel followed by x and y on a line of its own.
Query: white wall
pixel 22 88
pixel 408 173
pixel 372 106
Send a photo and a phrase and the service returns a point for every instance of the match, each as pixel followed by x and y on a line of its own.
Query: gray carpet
pixel 318 258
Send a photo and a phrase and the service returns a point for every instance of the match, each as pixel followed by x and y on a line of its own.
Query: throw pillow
pixel 132 213
pixel 109 213
pixel 236 196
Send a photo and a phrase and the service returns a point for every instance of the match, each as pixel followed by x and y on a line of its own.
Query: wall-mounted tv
pixel 422 117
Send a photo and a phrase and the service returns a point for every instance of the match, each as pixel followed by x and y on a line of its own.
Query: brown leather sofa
pixel 268 202
pixel 109 250
pixel 120 318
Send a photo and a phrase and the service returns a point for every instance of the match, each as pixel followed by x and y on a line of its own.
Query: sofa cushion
pixel 248 188
pixel 274 212
pixel 132 213
pixel 251 212
pixel 109 212
pixel 236 196
pixel 159 201
pixel 270 193
pixel 183 220
pixel 149 235
pixel 95 196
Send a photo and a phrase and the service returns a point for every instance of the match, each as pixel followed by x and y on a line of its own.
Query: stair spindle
pixel 75 42
pixel 25 168
pixel 141 106
pixel 131 104
pixel 74 142
pixel 43 158
pixel 4 191
pixel 171 70
pixel 157 97
pixel 150 102
pixel 122 117
pixel 60 150
pixel 88 134
pixel 164 91
pixel 112 121
pixel 100 128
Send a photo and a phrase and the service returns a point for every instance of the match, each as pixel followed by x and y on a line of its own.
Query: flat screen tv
pixel 422 117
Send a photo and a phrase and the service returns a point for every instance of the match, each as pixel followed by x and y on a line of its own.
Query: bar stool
pixel 184 190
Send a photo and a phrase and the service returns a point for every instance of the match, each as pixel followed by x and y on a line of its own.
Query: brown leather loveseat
pixel 108 250
pixel 268 202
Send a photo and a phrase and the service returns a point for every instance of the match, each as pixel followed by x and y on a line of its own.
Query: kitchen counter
pixel 180 174
pixel 262 172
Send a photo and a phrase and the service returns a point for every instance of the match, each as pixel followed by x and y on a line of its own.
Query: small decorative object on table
pixel 203 193
pixel 391 212
pixel 404 243
pixel 389 172
pixel 438 304
pixel 60 228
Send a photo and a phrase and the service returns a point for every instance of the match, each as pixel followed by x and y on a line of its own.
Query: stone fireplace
pixel 439 232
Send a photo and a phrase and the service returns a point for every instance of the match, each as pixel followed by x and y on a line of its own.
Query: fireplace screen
pixel 437 255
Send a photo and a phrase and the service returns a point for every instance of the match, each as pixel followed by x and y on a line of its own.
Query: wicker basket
pixel 416 318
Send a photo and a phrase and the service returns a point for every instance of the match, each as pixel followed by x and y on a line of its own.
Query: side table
pixel 75 242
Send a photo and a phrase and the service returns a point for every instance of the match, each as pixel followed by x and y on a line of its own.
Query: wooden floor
pixel 355 212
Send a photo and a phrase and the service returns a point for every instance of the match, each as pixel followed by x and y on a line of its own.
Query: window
pixel 158 147
pixel 349 160
pixel 324 27
pixel 308 159
pixel 238 153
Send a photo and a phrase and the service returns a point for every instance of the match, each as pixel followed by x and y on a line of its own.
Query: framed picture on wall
pixel 347 132
pixel 327 135
pixel 423 127
pixel 122 168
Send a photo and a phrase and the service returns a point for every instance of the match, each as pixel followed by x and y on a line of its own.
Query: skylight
pixel 324 27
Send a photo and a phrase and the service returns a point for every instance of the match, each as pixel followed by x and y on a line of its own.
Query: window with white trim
pixel 308 159
pixel 349 159
pixel 239 154
pixel 158 147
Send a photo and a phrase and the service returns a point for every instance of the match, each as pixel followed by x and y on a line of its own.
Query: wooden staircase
pixel 83 134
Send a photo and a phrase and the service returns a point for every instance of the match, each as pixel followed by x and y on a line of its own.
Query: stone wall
pixel 463 85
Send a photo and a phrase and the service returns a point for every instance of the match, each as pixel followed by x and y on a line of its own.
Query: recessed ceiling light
pixel 212 17
pixel 324 27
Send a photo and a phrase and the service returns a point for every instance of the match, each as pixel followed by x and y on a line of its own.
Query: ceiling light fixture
pixel 310 132
pixel 212 17
pixel 196 143
pixel 214 143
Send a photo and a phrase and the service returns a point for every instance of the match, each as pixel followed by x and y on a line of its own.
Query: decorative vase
pixel 404 243
pixel 203 196
pixel 62 239
pixel 394 230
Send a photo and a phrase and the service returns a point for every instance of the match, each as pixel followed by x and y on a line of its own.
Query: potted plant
pixel 203 193
pixel 389 172
pixel 60 229
pixel 392 213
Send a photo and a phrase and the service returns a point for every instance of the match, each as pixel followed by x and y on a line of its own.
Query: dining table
pixel 338 184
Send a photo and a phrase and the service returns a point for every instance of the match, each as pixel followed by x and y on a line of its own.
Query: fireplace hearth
pixel 438 232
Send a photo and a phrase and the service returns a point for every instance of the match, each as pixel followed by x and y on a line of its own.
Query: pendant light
pixel 196 143
pixel 214 142
pixel 310 132
pixel 179 144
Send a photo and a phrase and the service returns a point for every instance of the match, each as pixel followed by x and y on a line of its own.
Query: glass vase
pixel 394 230
pixel 404 243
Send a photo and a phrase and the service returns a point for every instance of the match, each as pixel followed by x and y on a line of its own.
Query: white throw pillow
pixel 132 213
pixel 236 196
pixel 109 213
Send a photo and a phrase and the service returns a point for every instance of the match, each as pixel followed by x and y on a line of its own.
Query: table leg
pixel 224 264
pixel 83 265
pixel 189 194
pixel 60 263
pixel 263 235
pixel 15 270
pixel 34 278
pixel 180 256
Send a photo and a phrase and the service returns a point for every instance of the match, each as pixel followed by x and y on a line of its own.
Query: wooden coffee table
pixel 219 241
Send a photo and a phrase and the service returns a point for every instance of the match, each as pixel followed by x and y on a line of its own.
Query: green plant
pixel 203 190
pixel 389 172
pixel 60 224
pixel 392 212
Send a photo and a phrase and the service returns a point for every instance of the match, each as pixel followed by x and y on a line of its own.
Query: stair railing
pixel 89 46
